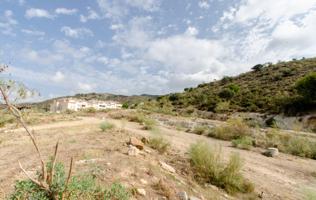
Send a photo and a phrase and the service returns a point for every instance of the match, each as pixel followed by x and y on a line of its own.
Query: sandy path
pixel 284 177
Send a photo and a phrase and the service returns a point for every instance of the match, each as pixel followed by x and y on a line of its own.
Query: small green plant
pixel 243 143
pixel 149 124
pixel 104 126
pixel 209 167
pixel 79 187
pixel 159 143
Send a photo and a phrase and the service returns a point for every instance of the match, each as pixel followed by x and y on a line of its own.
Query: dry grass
pixel 209 167
pixel 159 143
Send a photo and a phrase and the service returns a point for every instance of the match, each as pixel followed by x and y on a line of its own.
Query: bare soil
pixel 104 154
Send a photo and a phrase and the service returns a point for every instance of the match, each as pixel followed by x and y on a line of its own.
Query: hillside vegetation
pixel 268 88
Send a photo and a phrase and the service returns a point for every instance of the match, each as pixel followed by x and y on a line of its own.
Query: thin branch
pixel 68 178
pixel 32 179
pixel 19 117
pixel 52 170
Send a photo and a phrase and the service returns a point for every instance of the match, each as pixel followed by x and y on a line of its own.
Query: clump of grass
pixel 243 143
pixel 104 126
pixel 79 187
pixel 234 129
pixel 209 167
pixel 159 143
pixel 200 129
pixel 149 124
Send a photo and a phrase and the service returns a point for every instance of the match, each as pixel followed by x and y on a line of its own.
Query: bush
pixel 226 94
pixel 306 86
pixel 149 124
pixel 125 105
pixel 90 110
pixel 209 167
pixel 106 126
pixel 200 130
pixel 243 143
pixel 222 107
pixel 159 143
pixel 234 129
pixel 80 187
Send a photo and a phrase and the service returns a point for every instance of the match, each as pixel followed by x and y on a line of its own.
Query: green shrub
pixel 90 110
pixel 104 126
pixel 306 86
pixel 222 107
pixel 208 167
pixel 159 143
pixel 125 105
pixel 243 143
pixel 226 94
pixel 234 129
pixel 149 124
pixel 79 187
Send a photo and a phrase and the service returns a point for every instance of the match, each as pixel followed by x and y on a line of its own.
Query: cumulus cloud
pixel 92 15
pixel 76 32
pixel 7 23
pixel 66 11
pixel 33 32
pixel 58 77
pixel 204 4
pixel 37 13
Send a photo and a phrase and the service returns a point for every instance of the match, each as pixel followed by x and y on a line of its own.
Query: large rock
pixel 141 191
pixel 132 150
pixel 182 195
pixel 271 152
pixel 136 142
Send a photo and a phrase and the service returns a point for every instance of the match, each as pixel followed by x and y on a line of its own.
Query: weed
pixel 234 129
pixel 159 143
pixel 104 126
pixel 209 167
pixel 200 130
pixel 243 143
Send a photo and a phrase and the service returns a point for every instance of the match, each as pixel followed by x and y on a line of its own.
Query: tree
pixel 226 93
pixel 257 67
pixel 306 86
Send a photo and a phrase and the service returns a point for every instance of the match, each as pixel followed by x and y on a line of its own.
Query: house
pixel 73 104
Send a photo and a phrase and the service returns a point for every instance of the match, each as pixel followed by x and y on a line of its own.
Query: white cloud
pixel 204 4
pixel 40 57
pixel 192 31
pixel 85 87
pixel 76 32
pixel 33 32
pixel 58 77
pixel 37 13
pixel 66 11
pixel 148 5
pixel 7 23
pixel 116 26
pixel 92 15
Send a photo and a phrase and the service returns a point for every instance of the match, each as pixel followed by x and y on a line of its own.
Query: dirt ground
pixel 282 177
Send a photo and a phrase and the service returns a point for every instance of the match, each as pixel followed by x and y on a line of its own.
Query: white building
pixel 64 104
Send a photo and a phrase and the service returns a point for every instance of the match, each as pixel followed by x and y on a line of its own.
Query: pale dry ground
pixel 283 177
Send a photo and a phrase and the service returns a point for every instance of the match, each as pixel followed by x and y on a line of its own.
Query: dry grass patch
pixel 208 165
pixel 159 143
pixel 104 126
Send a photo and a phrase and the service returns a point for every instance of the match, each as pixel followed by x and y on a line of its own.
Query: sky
pixel 147 46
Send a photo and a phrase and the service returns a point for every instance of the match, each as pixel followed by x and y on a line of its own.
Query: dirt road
pixel 283 177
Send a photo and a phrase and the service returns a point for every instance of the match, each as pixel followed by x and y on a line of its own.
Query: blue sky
pixel 147 46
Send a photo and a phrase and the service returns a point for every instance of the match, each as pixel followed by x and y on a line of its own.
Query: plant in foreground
pixel 209 167
pixel 106 126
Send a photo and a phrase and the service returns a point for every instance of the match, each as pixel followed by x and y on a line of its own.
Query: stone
pixel 143 181
pixel 141 191
pixel 167 167
pixel 271 152
pixel 144 140
pixel 132 151
pixel 136 142
pixel 194 198
pixel 182 195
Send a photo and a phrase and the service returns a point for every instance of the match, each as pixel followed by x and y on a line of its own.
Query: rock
pixel 182 195
pixel 132 151
pixel 143 181
pixel 136 142
pixel 194 198
pixel 271 152
pixel 167 167
pixel 141 191
pixel 144 140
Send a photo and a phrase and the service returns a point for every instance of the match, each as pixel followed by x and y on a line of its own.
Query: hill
pixel 268 88
pixel 130 100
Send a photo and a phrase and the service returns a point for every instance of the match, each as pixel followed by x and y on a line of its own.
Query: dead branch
pixel 68 178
